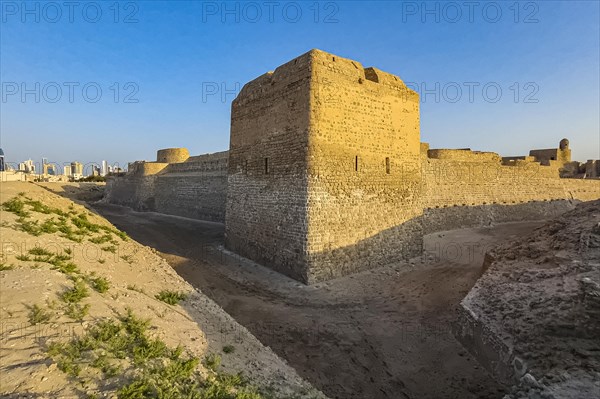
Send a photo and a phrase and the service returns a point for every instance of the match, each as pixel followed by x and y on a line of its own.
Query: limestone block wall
pixel 267 187
pixel 458 192
pixel 195 188
pixel 364 187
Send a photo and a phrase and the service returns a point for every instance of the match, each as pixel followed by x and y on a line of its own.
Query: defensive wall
pixel 193 187
pixel 326 174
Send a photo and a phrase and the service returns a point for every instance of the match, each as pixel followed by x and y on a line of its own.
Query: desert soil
pixel 384 333
pixel 135 273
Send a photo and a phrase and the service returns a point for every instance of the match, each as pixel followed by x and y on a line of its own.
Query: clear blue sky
pixel 175 54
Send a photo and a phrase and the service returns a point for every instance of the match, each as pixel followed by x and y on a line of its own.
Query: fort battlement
pixel 326 174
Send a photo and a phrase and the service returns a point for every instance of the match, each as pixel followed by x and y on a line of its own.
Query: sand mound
pixel 540 298
pixel 88 312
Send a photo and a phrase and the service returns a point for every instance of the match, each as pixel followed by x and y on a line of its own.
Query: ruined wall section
pixel 266 198
pixel 465 188
pixel 364 187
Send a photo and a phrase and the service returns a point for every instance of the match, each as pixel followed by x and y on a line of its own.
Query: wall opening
pixel 387 165
pixel 356 163
pixel 266 166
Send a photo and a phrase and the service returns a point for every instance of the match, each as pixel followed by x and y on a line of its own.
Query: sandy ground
pixel 197 323
pixel 384 333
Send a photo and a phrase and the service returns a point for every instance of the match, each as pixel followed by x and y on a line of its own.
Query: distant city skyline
pixel 165 76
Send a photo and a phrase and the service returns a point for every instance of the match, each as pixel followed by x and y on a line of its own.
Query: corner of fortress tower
pixel 316 145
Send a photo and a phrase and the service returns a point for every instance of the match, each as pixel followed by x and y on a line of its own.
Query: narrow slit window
pixel 356 163
pixel 387 165
pixel 266 166
pixel 246 167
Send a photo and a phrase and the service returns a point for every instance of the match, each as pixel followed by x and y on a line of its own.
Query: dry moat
pixel 385 333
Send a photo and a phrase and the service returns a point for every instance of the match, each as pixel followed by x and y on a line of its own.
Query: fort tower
pixel 317 146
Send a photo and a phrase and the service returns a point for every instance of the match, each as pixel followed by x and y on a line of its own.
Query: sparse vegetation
pixel 4 266
pixel 123 351
pixel 171 297
pixel 75 294
pixel 38 315
pixel 136 288
pixel 77 311
pixel 110 248
pixel 127 258
pixel 99 284
pixel 16 206
pixel 101 239
pixel 212 361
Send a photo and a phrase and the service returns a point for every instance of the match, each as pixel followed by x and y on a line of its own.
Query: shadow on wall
pixel 405 241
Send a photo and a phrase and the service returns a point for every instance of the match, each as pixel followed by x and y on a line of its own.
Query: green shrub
pixel 228 349
pixel 4 266
pixel 99 284
pixel 77 312
pixel 212 361
pixel 23 258
pixel 40 252
pixel 38 315
pixel 110 248
pixel 171 297
pixel 15 206
pixel 75 294
pixel 37 206
pixel 101 239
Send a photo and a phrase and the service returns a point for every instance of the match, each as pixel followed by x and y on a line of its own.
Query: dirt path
pixel 379 334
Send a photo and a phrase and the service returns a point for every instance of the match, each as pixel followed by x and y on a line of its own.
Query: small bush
pixel 99 284
pixel 101 261
pixel 15 206
pixel 101 239
pixel 212 361
pixel 40 252
pixel 228 349
pixel 171 297
pixel 37 206
pixel 38 315
pixel 110 248
pixel 23 258
pixel 77 312
pixel 75 294
pixel 127 258
pixel 4 266
pixel 30 227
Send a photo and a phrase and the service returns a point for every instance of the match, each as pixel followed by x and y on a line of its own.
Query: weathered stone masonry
pixel 326 174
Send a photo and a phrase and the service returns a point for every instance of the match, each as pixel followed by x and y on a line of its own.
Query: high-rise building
pixel 2 165
pixel 49 169
pixel 104 168
pixel 67 170
pixel 27 166
pixel 77 170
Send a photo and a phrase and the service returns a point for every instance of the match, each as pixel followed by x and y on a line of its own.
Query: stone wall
pixel 195 188
pixel 267 185
pixel 364 188
pixel 326 174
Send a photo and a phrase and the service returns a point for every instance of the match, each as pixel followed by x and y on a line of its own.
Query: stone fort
pixel 326 174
